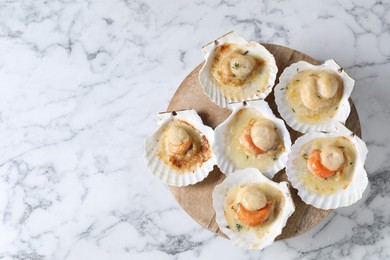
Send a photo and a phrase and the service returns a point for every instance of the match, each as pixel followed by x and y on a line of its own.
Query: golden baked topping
pixel 183 147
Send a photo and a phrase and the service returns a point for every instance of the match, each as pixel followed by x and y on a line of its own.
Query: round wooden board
pixel 196 199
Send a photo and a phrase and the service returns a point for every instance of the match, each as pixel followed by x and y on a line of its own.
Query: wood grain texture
pixel 196 199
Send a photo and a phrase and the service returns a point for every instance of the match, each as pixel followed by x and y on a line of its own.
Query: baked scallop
pixel 327 169
pixel 236 70
pixel 314 98
pixel 252 137
pixel 251 209
pixel 180 152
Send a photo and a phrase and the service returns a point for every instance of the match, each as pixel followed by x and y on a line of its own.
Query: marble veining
pixel 81 83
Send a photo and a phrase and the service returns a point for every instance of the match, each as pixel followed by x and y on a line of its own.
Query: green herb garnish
pixel 293 110
pixel 305 156
pixel 228 227
pixel 236 65
pixel 245 53
pixel 238 226
pixel 336 108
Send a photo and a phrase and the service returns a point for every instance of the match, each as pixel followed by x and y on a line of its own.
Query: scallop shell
pixel 250 240
pixel 224 164
pixel 164 172
pixel 341 198
pixel 210 86
pixel 286 111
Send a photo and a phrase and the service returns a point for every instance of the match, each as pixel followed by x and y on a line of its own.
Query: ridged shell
pixel 341 198
pixel 210 86
pixel 224 164
pixel 164 172
pixel 250 240
pixel 289 116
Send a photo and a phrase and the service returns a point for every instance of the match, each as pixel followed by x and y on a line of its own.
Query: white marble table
pixel 80 84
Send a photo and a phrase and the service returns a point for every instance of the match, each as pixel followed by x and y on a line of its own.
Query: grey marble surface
pixel 81 83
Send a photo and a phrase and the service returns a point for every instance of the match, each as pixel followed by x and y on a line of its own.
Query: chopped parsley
pixel 340 70
pixel 247 157
pixel 228 227
pixel 245 53
pixel 293 110
pixel 238 226
pixel 305 156
pixel 274 158
pixel 350 163
pixel 336 108
pixel 236 65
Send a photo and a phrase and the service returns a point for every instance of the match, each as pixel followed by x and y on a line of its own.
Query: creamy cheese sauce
pixel 239 72
pixel 230 207
pixel 198 153
pixel 340 180
pixel 237 154
pixel 316 92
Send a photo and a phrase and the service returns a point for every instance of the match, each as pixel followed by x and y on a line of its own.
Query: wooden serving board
pixel 196 199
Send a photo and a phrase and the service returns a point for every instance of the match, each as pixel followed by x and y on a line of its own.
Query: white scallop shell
pixel 224 164
pixel 285 110
pixel 341 198
pixel 210 86
pixel 164 172
pixel 245 239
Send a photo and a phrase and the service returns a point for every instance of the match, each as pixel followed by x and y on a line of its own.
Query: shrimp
pixel 253 217
pixel 315 166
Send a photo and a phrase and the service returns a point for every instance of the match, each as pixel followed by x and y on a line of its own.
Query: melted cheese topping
pixel 238 155
pixel 272 195
pixel 238 72
pixel 344 173
pixel 314 95
pixel 182 147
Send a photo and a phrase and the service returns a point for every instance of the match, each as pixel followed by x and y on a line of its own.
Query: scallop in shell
pixel 236 70
pixel 327 169
pixel 252 137
pixel 251 209
pixel 314 98
pixel 180 152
